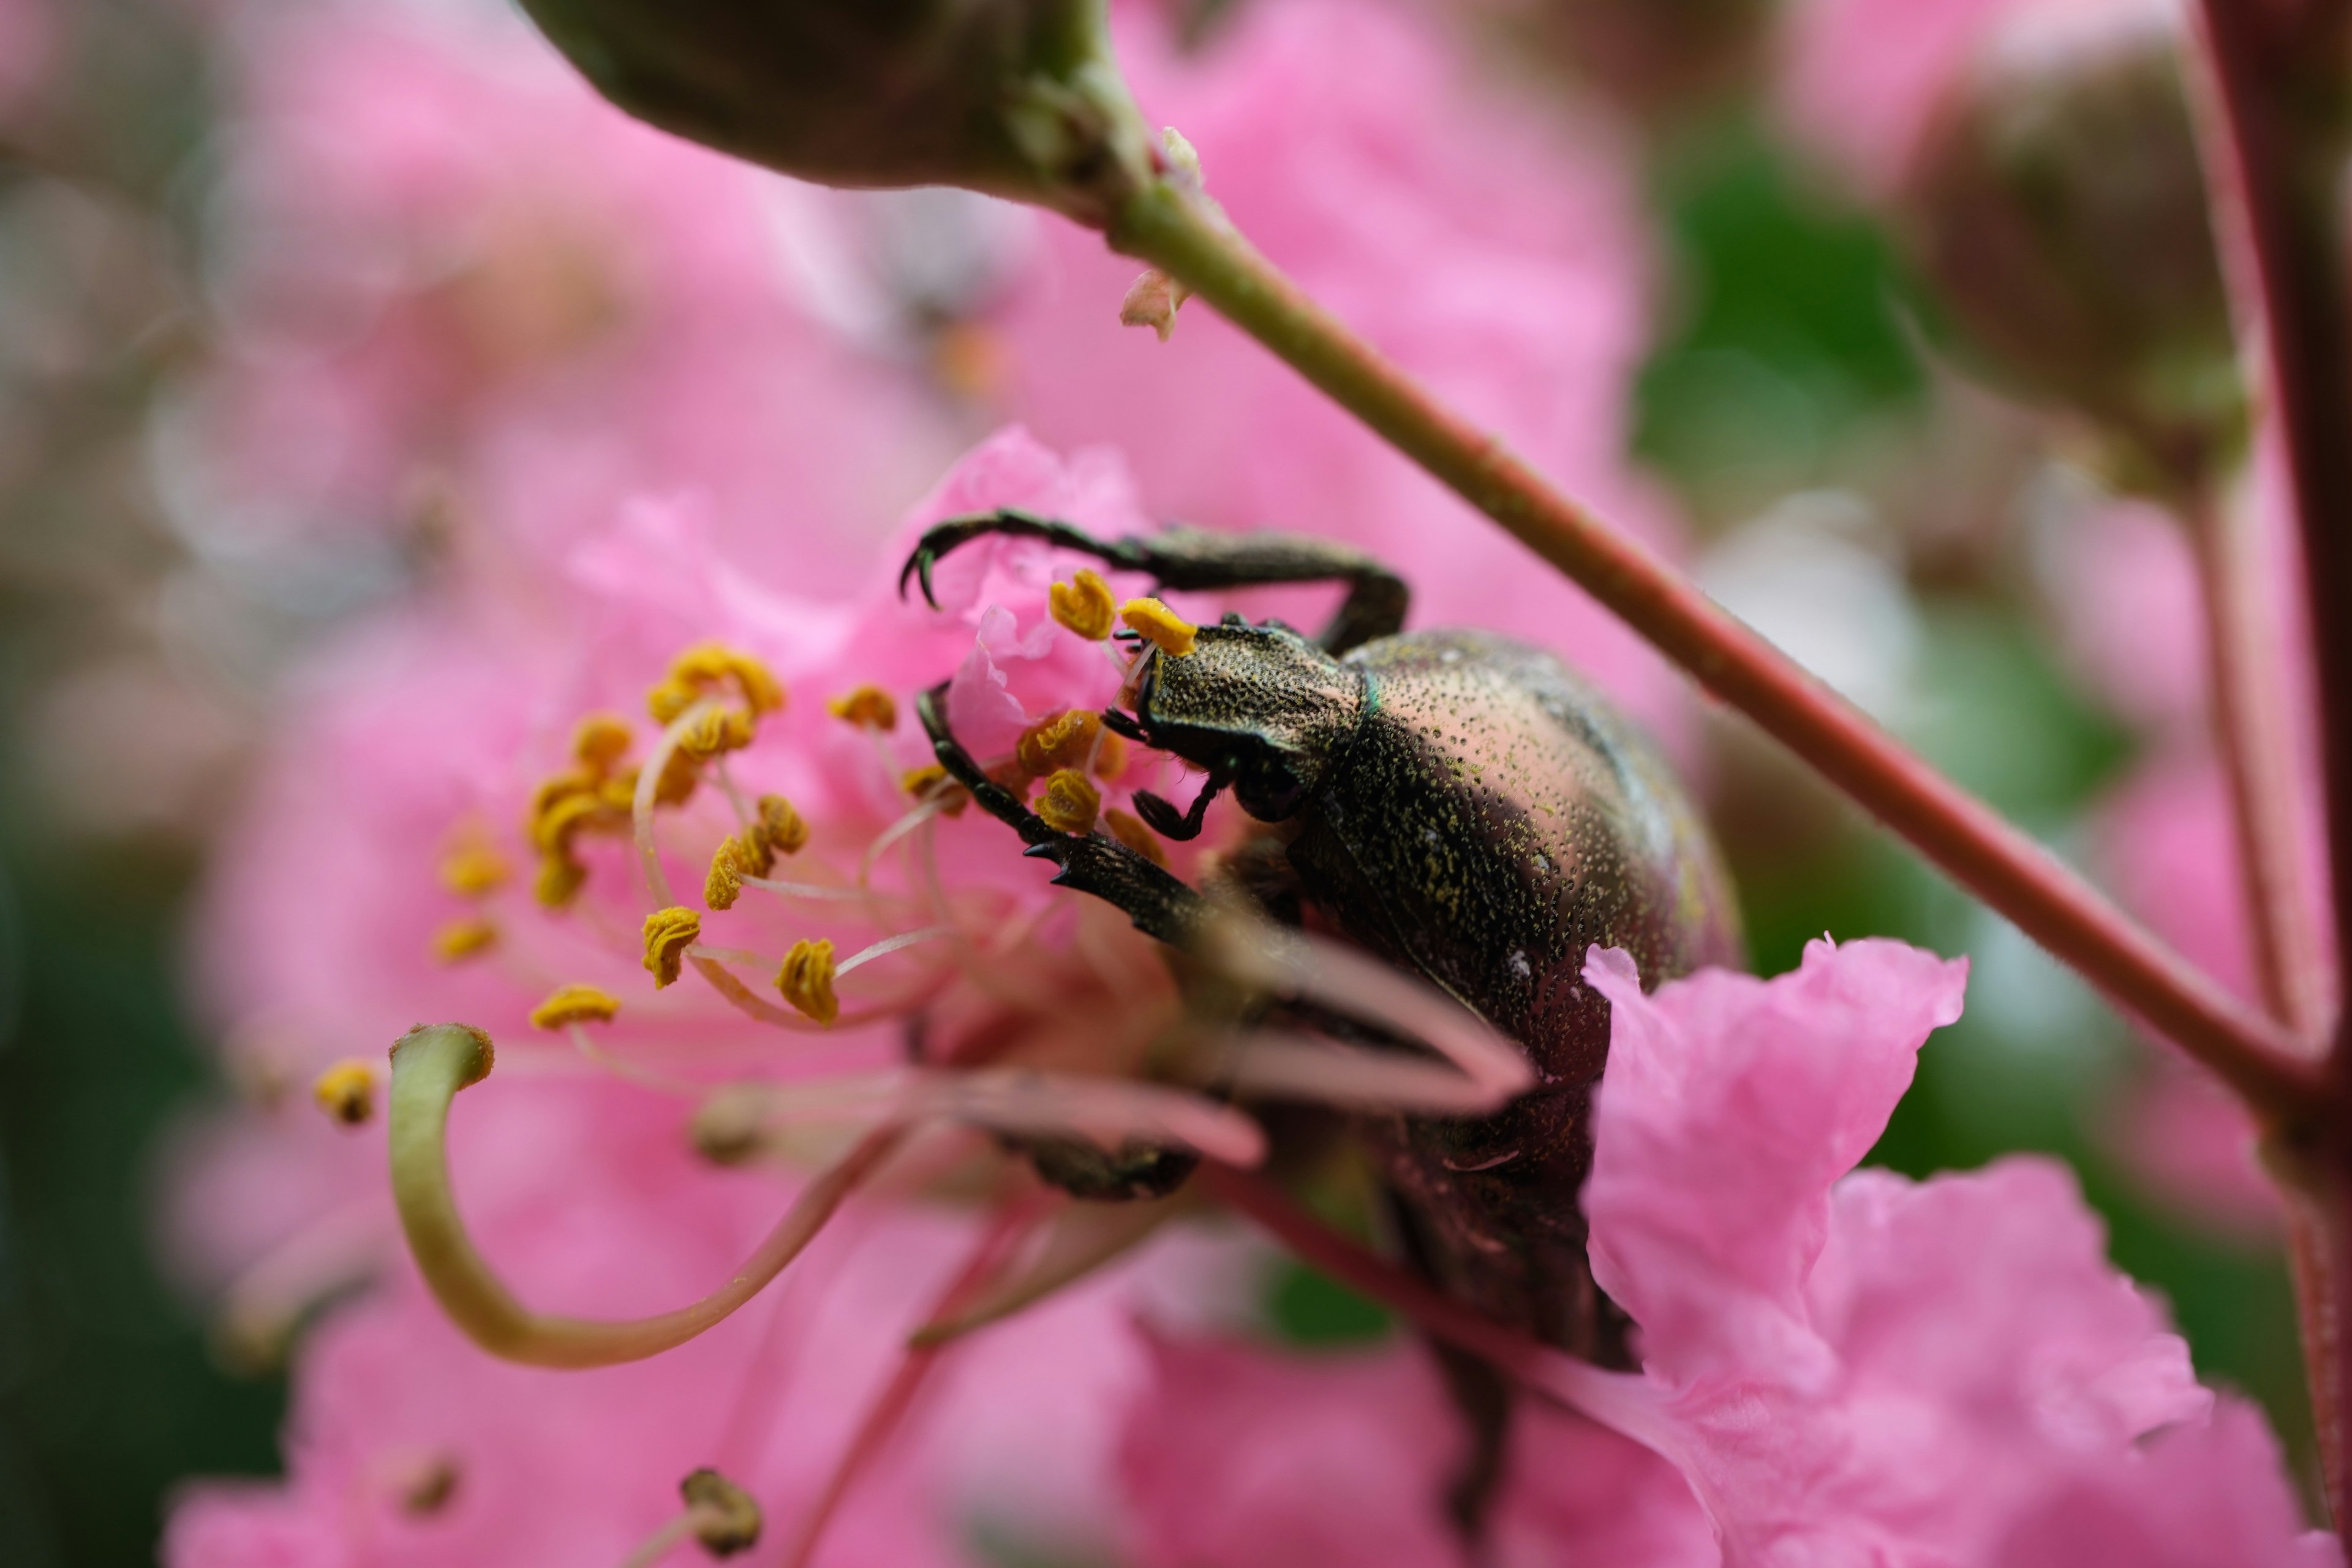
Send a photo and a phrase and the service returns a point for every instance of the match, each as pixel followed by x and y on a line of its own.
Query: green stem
pixel 429 1066
pixel 2264 1061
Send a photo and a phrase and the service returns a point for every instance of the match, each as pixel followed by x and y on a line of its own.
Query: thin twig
pixel 2262 1060
pixel 2272 107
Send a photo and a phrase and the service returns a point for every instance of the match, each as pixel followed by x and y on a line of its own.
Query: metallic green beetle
pixel 1459 804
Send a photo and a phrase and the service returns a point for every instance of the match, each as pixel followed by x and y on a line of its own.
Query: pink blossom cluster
pixel 464 272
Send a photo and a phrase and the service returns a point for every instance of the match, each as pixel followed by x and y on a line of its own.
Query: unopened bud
pixel 2057 205
pixel 1015 98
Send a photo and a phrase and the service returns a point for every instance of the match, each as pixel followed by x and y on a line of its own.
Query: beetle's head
pixel 1260 707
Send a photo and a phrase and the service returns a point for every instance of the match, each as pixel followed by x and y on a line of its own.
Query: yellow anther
pixel 601 742
pixel 575 1004
pixel 679 776
pixel 669 933
pixel 560 877
pixel 1083 604
pixel 1014 778
pixel 931 782
pixel 708 668
pixel 726 1520
pixel 1065 741
pixel 720 730
pixel 1110 757
pixel 464 939
pixel 425 1485
pixel 1129 830
pixel 560 808
pixel 472 867
pixel 735 861
pixel 1071 804
pixel 869 708
pixel 806 979
pixel 1160 627
pixel 618 794
pixel 346 1092
pixel 781 827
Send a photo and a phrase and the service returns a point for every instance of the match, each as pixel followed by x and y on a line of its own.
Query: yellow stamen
pixel 560 815
pixel 471 867
pixel 781 828
pixel 560 878
pixel 1110 757
pixel 706 668
pixel 726 1520
pixel 869 708
pixel 1014 778
pixel 425 1485
pixel 669 933
pixel 575 1004
pixel 806 979
pixel 720 730
pixel 346 1092
pixel 734 862
pixel 1083 604
pixel 1130 831
pixel 618 794
pixel 1065 741
pixel 680 775
pixel 601 742
pixel 931 782
pixel 464 939
pixel 1160 627
pixel 1071 803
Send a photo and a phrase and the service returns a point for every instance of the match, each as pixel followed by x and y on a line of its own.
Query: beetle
pixel 1461 806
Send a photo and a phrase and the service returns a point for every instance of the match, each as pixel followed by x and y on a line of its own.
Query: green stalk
pixel 429 1065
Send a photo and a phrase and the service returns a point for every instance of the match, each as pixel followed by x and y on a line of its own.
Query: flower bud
pixel 2057 206
pixel 1015 98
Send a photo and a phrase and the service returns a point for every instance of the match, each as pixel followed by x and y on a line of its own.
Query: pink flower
pixel 1862 1368
pixel 1239 1457
pixel 452 275
pixel 29 50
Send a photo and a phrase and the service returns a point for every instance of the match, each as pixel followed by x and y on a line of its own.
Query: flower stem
pixel 2250 692
pixel 429 1066
pixel 2272 104
pixel 2260 1058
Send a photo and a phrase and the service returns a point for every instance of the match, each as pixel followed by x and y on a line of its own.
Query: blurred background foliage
pixel 1791 380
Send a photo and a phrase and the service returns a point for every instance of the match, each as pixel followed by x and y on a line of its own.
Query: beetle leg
pixel 1197 560
pixel 1166 821
pixel 1160 905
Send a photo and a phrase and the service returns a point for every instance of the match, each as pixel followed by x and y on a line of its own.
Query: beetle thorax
pixel 1259 707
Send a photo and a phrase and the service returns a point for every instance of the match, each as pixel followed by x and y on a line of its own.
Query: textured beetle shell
pixel 1491 820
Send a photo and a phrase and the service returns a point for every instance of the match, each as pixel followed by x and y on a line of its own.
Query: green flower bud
pixel 1015 98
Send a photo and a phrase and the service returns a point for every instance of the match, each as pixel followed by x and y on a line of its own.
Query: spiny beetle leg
pixel 1197 559
pixel 942 538
pixel 1160 905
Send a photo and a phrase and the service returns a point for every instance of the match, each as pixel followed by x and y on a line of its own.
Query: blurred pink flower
pixel 29 50
pixel 1241 1458
pixel 1861 79
pixel 1862 1368
pixel 449 274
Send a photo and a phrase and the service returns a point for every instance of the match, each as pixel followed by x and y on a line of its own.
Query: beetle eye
pixel 1269 787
